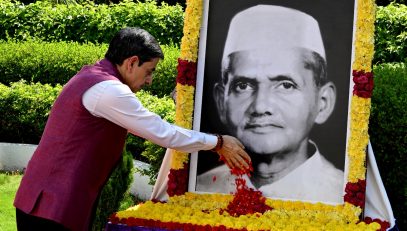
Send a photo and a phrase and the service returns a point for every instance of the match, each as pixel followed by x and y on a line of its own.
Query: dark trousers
pixel 27 222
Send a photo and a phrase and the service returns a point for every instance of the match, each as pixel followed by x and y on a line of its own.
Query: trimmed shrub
pixel 56 63
pixel 388 133
pixel 98 23
pixel 164 107
pixel 89 22
pixel 24 111
pixel 44 62
pixel 391 34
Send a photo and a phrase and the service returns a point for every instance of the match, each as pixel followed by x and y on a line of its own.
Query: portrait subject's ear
pixel 326 102
pixel 219 97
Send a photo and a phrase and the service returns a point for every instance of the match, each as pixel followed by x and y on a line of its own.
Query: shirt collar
pixel 110 68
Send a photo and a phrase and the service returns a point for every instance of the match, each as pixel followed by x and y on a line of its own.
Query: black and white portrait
pixel 276 76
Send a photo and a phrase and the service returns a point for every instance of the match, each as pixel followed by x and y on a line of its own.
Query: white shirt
pixel 115 102
pixel 316 180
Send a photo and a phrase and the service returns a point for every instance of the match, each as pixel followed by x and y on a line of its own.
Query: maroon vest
pixel 75 156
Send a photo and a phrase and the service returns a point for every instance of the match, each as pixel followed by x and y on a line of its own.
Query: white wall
pixel 15 157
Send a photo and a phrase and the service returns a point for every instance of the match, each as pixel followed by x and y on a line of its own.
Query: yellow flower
pixel 364 39
pixel 192 24
pixel 178 210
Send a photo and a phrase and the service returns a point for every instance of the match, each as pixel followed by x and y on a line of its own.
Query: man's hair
pixel 133 41
pixel 312 61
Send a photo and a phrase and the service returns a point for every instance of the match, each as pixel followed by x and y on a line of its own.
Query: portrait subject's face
pixel 270 101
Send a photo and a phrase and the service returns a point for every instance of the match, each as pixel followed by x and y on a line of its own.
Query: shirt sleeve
pixel 115 102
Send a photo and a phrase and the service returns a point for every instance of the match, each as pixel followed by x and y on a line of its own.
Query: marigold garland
pixel 191 211
pixel 186 77
pixel 192 26
pixel 364 39
pixel 360 103
pixel 183 117
pixel 359 138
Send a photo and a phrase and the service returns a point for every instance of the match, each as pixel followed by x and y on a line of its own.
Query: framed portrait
pixel 252 84
pixel 292 80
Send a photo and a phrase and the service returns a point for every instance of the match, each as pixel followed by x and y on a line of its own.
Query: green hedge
pixel 391 34
pixel 388 133
pixel 97 24
pixel 89 23
pixel 24 111
pixel 56 63
pixel 44 62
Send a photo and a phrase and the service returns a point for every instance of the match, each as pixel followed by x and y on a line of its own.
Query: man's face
pixel 138 76
pixel 270 100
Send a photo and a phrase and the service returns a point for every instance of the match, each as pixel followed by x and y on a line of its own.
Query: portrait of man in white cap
pixel 273 90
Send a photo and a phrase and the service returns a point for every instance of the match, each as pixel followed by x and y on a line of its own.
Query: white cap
pixel 273 27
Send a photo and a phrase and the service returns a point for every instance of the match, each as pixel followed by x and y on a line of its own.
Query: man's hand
pixel 233 154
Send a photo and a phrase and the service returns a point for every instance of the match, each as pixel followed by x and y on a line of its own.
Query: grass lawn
pixel 8 187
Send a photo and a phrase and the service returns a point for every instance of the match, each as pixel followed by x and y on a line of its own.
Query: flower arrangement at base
pixel 209 212
pixel 192 211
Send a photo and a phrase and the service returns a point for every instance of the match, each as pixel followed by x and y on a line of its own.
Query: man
pixel 85 134
pixel 274 88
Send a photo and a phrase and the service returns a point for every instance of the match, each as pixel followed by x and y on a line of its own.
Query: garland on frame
pixel 190 211
pixel 360 103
